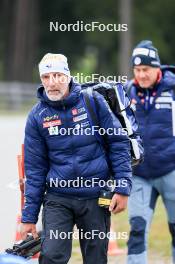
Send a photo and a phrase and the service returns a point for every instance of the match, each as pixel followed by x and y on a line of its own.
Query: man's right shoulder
pixel 37 110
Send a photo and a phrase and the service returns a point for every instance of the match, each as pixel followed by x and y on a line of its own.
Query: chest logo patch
pixel 77 111
pixel 50 118
pixel 162 106
pixel 79 118
pixel 166 94
pixel 52 123
pixel 164 99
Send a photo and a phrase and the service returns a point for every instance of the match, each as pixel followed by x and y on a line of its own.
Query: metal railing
pixel 17 96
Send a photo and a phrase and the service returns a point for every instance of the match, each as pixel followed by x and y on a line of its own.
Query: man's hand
pixel 118 203
pixel 28 228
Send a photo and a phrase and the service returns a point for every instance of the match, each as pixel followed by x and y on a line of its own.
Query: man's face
pixel 56 85
pixel 145 75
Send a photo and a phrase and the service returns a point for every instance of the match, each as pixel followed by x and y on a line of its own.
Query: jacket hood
pixel 168 76
pixel 70 100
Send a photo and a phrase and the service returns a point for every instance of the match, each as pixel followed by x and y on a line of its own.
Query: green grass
pixel 159 239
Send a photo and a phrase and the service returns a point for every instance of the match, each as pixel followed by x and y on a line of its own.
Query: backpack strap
pixel 173 111
pixel 90 105
pixel 173 93
pixel 128 87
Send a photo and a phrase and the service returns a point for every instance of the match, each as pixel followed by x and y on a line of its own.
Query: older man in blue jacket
pixel 65 169
pixel 152 92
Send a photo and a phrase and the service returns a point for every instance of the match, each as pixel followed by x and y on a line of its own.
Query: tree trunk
pixel 22 41
pixel 125 40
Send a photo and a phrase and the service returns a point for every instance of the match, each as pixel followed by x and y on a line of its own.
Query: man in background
pixel 152 94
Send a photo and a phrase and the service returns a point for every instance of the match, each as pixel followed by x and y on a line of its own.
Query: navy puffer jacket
pixel 156 126
pixel 51 155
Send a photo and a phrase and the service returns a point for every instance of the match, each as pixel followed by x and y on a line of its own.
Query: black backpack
pixel 119 103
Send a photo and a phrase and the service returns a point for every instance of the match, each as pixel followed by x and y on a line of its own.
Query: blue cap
pixel 145 54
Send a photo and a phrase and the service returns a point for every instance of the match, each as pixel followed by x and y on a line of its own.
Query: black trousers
pixel 60 214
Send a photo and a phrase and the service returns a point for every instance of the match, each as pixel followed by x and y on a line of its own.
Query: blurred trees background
pixel 25 35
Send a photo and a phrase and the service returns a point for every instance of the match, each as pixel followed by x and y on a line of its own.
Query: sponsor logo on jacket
pixel 49 118
pixel 79 118
pixel 52 123
pixel 76 111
